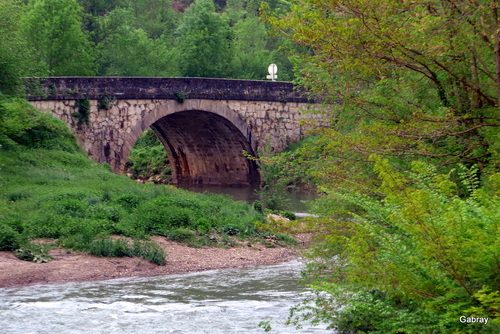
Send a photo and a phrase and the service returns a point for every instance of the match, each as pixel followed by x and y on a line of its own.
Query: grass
pixel 51 190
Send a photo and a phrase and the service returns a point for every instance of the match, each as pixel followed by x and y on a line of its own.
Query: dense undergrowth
pixel 50 190
pixel 148 160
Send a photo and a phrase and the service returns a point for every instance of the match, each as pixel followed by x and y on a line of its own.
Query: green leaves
pixel 423 245
pixel 54 29
pixel 204 41
pixel 405 79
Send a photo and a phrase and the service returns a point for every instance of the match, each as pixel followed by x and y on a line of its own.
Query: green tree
pixel 251 55
pixel 13 49
pixel 54 29
pixel 127 51
pixel 204 40
pixel 239 9
pixel 156 17
pixel 405 247
pixel 413 79
pixel 413 263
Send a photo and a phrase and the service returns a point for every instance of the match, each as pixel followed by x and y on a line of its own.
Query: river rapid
pixel 217 301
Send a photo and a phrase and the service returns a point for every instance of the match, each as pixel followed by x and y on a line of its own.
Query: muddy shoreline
pixel 79 267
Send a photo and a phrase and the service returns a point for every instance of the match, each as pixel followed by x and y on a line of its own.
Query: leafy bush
pixel 422 248
pixel 151 251
pixel 181 235
pixel 148 158
pixel 289 215
pixel 230 230
pixel 34 252
pixel 129 200
pixel 17 195
pixel 111 248
pixel 31 128
pixel 9 238
pixel 203 225
pixel 156 219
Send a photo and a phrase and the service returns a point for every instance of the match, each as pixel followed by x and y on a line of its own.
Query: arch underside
pixel 205 148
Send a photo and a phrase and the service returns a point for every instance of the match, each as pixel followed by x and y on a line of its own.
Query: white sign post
pixel 272 69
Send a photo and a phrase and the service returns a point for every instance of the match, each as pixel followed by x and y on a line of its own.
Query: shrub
pixel 104 246
pixel 153 218
pixel 230 230
pixel 46 226
pixel 17 195
pixel 9 238
pixel 181 235
pixel 203 225
pixel 70 207
pixel 422 248
pixel 289 215
pixel 129 200
pixel 33 252
pixel 257 205
pixel 151 252
pixel 33 129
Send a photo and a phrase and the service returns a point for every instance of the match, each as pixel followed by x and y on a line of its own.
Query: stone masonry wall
pixel 110 134
pixel 249 113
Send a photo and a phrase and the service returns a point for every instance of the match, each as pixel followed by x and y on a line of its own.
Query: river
pixel 297 201
pixel 217 301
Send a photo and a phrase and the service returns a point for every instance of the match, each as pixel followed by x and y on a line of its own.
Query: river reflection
pixel 218 301
pixel 297 200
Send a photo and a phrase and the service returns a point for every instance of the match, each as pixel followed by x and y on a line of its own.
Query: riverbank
pixel 78 267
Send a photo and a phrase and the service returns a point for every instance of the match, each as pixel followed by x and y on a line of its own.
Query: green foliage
pixel 395 92
pixel 148 159
pixel 180 96
pixel 289 215
pixel 55 192
pixel 34 252
pixel 156 17
pixel 14 53
pixel 53 28
pixel 288 171
pixel 10 239
pixel 203 225
pixel 25 126
pixel 151 251
pixel 82 113
pixel 204 42
pixel 105 101
pixel 106 247
pixel 127 51
pixel 429 253
pixel 251 56
pixel 181 235
pixel 403 247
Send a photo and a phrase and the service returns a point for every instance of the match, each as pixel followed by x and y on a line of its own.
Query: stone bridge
pixel 204 124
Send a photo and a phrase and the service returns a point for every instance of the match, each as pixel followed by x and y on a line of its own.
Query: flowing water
pixel 218 301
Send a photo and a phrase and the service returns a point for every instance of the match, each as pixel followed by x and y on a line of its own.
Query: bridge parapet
pixel 73 88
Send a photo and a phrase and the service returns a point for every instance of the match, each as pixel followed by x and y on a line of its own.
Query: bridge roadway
pixel 205 124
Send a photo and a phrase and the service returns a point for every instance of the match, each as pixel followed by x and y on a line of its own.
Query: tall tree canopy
pixel 128 51
pixel 13 49
pixel 416 79
pixel 54 29
pixel 409 161
pixel 204 40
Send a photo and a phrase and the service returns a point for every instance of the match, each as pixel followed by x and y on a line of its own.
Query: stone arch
pixel 204 140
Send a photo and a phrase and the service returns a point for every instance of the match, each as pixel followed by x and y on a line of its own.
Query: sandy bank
pixel 71 267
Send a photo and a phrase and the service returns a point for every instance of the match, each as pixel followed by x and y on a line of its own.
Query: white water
pixel 219 301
